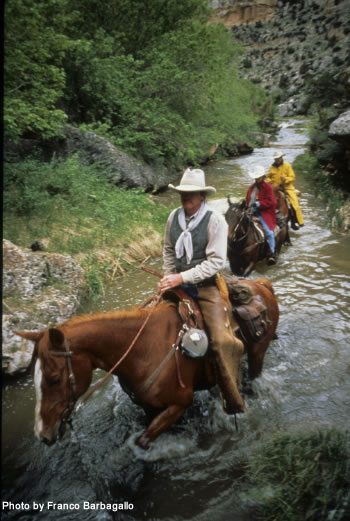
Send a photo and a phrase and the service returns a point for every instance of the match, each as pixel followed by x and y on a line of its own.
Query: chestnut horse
pixel 156 377
pixel 246 242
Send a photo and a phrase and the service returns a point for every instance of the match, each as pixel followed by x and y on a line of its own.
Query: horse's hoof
pixel 143 441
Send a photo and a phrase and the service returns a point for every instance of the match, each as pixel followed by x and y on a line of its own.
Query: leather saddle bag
pixel 252 320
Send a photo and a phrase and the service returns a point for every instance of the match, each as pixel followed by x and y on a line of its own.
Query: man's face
pixel 279 161
pixel 260 179
pixel 191 202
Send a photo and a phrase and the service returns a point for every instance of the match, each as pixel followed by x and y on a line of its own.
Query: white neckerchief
pixel 184 242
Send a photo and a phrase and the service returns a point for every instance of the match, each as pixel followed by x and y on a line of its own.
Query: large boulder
pixel 39 289
pixel 119 167
pixel 340 129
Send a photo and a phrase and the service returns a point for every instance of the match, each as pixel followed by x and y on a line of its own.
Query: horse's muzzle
pixel 47 441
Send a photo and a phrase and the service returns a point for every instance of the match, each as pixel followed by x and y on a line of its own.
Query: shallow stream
pixel 195 471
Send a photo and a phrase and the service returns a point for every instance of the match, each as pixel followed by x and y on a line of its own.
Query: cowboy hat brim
pixel 254 175
pixel 192 188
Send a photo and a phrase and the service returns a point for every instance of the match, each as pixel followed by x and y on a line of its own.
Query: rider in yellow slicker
pixel 282 173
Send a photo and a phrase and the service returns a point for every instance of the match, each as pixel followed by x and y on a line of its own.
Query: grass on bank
pixel 303 477
pixel 335 199
pixel 73 210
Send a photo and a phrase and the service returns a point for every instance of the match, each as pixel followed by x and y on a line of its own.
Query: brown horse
pixel 247 244
pixel 156 377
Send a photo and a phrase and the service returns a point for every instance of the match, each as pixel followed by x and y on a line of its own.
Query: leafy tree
pixel 34 77
pixel 153 77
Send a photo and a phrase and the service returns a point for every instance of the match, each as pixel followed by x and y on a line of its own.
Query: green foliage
pixel 327 89
pixel 155 78
pixel 33 71
pixel 324 184
pixel 303 477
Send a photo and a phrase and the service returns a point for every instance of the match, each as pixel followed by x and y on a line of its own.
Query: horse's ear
pixel 29 335
pixel 56 338
pixel 229 200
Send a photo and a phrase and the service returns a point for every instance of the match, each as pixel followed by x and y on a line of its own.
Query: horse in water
pixel 284 206
pixel 247 242
pixel 156 376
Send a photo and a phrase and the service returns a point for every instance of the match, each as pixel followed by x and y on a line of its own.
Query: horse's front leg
pixel 256 353
pixel 160 424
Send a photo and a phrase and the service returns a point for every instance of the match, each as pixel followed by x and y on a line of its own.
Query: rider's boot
pixel 271 258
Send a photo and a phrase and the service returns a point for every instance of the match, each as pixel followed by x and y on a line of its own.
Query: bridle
pixel 259 240
pixel 66 415
pixel 233 236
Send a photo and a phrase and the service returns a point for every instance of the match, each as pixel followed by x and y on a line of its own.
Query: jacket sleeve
pixel 288 173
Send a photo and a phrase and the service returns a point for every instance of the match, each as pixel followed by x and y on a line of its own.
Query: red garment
pixel 268 203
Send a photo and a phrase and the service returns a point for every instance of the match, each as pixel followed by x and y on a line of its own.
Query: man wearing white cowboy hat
pixel 261 197
pixel 195 248
pixel 282 173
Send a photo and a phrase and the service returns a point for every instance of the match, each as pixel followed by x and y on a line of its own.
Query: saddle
pixel 249 311
pixel 188 307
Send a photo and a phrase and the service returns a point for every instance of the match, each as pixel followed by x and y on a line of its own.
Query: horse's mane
pixel 115 314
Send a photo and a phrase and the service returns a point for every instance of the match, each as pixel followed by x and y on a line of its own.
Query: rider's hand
pixel 170 281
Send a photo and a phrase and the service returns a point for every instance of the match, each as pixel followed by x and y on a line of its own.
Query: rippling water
pixel 196 470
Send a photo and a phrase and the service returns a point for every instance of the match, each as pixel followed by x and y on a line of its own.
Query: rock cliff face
pixel 290 43
pixel 236 12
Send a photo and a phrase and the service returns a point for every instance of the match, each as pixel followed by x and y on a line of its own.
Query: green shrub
pixel 324 185
pixel 303 477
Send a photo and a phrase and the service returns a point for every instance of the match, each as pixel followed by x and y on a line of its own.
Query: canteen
pixel 195 343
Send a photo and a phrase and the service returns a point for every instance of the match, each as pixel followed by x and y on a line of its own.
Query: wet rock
pixel 39 289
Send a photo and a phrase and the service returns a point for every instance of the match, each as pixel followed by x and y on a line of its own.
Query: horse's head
pixel 55 383
pixel 234 215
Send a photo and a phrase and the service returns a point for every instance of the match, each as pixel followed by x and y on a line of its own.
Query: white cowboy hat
pixel 277 155
pixel 256 172
pixel 193 180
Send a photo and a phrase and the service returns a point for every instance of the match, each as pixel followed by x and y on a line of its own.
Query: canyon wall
pixel 291 44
